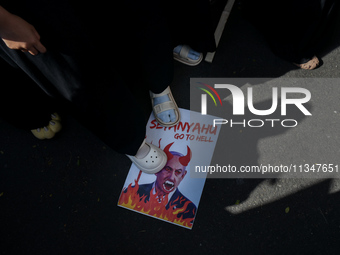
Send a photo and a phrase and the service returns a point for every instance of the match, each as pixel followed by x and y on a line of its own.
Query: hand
pixel 20 35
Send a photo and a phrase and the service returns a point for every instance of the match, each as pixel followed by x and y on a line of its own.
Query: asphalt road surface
pixel 60 196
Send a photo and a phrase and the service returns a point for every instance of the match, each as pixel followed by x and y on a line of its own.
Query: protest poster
pixel 173 195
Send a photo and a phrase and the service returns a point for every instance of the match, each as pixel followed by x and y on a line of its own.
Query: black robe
pixel 294 29
pixel 101 60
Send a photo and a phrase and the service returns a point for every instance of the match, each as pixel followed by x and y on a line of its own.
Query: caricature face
pixel 170 176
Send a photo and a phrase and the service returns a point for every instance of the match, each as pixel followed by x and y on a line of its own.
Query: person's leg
pixel 156 57
pixel 158 72
pixel 321 17
pixel 76 69
pixel 155 47
pixel 296 26
pixel 22 102
pixel 114 115
pixel 110 114
pixel 191 24
pixel 117 119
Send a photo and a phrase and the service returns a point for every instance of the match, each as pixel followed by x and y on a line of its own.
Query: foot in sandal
pixel 49 131
pixel 165 108
pixel 149 158
pixel 310 65
pixel 186 55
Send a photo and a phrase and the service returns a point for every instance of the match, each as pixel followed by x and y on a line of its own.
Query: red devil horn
pixel 167 152
pixel 184 160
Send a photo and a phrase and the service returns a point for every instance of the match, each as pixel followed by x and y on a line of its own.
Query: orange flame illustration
pixel 154 207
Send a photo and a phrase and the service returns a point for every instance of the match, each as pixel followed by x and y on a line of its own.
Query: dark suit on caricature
pixel 178 200
pixel 167 182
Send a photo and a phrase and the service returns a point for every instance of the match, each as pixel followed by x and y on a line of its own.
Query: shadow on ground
pixel 60 196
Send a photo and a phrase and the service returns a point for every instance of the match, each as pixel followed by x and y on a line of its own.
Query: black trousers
pixel 294 29
pixel 94 63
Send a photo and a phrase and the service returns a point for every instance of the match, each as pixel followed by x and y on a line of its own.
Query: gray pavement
pixel 60 196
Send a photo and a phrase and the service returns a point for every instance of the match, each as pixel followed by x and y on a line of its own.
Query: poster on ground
pixel 173 195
